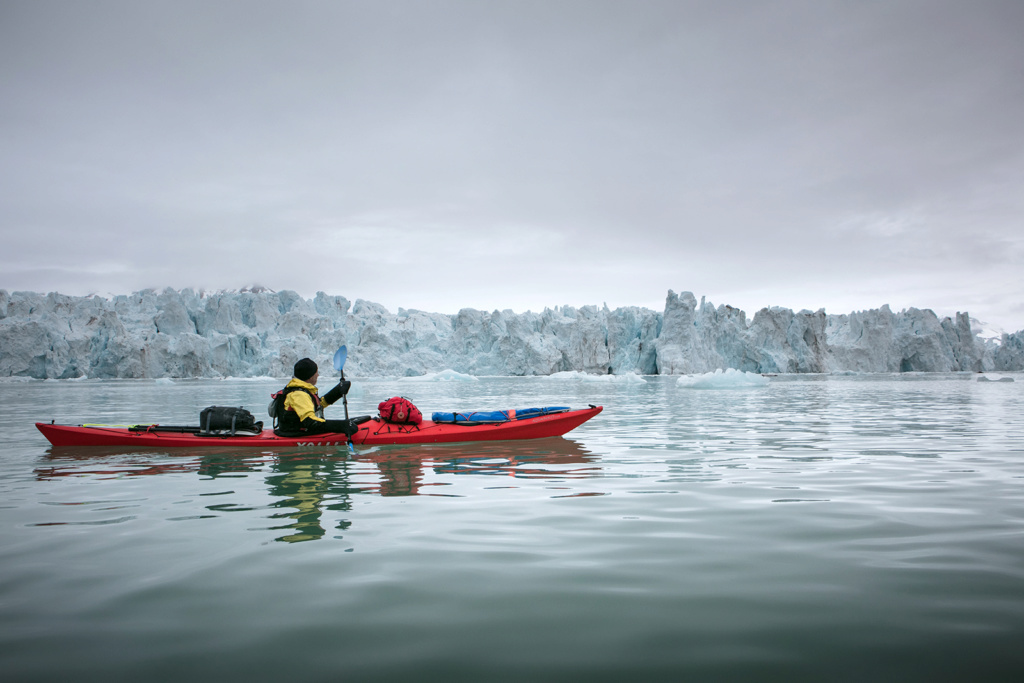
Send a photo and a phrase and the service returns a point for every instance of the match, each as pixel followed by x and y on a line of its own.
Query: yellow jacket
pixel 302 403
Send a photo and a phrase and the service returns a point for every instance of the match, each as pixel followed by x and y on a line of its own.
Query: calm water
pixel 820 528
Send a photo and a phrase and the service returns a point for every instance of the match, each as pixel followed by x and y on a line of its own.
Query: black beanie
pixel 305 369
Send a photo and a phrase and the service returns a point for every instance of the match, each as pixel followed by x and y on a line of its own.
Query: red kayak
pixel 374 432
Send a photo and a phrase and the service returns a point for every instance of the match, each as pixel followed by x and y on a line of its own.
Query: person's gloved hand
pixel 337 392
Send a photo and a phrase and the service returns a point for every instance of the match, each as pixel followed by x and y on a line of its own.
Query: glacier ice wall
pixel 261 333
pixel 698 338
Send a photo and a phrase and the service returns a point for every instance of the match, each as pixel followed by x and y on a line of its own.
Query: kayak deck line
pixel 373 432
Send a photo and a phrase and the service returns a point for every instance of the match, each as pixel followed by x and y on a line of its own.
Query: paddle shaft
pixel 344 397
pixel 339 364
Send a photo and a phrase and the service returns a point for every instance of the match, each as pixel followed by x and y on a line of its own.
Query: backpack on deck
pixel 400 411
pixel 225 421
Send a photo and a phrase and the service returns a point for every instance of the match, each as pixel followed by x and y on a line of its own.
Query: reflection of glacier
pixel 261 333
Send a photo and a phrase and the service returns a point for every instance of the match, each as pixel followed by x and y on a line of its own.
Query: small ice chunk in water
pixel 719 379
pixel 442 376
pixel 628 378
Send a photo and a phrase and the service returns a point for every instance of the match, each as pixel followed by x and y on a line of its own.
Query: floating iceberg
pixel 727 379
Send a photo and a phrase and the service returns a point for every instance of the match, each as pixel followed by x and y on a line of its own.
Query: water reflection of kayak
pixel 519 459
pixel 373 432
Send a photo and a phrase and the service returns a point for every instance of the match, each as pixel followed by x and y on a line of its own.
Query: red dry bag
pixel 399 410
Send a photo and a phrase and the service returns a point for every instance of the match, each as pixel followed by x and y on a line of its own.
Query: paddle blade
pixel 339 357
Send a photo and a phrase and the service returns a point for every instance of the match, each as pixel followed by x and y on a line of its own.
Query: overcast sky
pixel 498 154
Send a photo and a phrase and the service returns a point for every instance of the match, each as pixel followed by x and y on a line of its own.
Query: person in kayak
pixel 298 409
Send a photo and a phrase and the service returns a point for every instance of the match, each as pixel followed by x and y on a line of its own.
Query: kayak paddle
pixel 339 364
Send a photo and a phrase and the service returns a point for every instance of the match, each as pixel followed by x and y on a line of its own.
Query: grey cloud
pixel 740 148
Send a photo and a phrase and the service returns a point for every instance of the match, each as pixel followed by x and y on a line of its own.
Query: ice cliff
pixel 261 333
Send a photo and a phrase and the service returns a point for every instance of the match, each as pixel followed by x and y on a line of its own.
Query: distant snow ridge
pixel 262 333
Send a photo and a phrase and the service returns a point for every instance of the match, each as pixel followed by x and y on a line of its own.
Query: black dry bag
pixel 222 421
